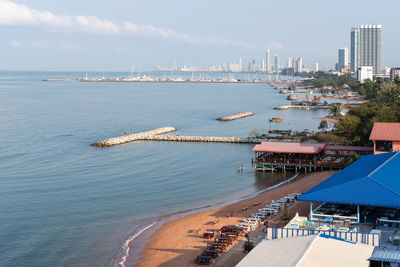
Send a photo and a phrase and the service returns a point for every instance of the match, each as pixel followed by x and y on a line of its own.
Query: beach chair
pixel 210 252
pixel 203 260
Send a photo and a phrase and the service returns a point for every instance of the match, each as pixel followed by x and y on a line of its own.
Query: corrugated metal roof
pixel 385 131
pixel 279 252
pixel 350 148
pixel 284 147
pixel 330 252
pixel 370 181
pixel 385 255
pixel 307 251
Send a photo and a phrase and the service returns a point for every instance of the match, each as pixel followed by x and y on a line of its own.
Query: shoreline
pixel 167 243
pixel 137 241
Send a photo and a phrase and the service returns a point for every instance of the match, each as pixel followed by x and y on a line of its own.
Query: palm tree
pixel 335 110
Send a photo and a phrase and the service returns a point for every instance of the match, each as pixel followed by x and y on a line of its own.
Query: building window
pixel 385 146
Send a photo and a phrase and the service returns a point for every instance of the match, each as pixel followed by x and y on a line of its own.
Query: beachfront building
pixel 354 220
pixel 364 191
pixel 284 156
pixel 386 137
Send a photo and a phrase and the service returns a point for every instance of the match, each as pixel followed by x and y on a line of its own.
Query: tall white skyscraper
pixel 366 47
pixel 268 60
pixel 277 67
pixel 354 49
pixel 289 63
pixel 298 66
pixel 343 59
pixel 316 67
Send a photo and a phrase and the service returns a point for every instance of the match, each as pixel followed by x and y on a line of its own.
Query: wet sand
pixel 179 242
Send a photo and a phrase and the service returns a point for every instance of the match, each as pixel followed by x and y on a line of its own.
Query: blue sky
pixel 114 35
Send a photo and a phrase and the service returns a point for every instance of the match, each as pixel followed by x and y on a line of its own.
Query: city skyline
pixel 44 35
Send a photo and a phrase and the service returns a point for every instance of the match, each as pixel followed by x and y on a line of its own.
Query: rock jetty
pixel 133 137
pixel 235 116
pixel 204 139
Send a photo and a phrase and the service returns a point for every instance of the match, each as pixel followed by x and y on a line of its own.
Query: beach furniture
pixel 261 217
pixel 224 239
pixel 210 252
pixel 208 234
pixel 246 226
pixel 251 220
pixel 231 228
pixel 218 245
pixel 203 260
pixel 233 235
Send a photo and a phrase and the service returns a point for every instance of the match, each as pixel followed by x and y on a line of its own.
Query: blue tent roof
pixel 373 180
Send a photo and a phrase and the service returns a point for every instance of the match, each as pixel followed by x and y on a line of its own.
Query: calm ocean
pixel 66 203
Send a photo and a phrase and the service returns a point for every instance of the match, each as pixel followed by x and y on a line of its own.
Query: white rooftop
pixel 307 251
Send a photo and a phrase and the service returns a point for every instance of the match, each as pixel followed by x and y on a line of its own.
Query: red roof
pixel 350 148
pixel 385 131
pixel 282 147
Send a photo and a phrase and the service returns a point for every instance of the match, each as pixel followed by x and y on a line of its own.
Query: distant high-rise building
pixel 289 63
pixel 366 47
pixel 268 60
pixel 263 65
pixel 277 63
pixel 240 64
pixel 343 59
pixel 298 65
pixel 316 67
pixel 354 49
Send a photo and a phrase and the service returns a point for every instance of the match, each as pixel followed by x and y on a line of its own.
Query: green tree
pixel 347 127
pixel 334 110
pixel 323 125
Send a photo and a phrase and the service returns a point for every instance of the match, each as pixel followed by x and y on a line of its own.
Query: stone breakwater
pixel 204 139
pixel 235 116
pixel 133 137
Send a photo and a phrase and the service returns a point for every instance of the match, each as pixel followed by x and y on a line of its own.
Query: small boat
pixel 277 119
pixel 280 131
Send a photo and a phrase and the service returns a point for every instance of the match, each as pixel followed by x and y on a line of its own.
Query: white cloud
pixel 16 14
pixel 15 44
pixel 41 45
pixel 96 25
pixel 70 46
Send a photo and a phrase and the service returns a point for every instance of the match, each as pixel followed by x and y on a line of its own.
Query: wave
pixel 173 215
pixel 125 246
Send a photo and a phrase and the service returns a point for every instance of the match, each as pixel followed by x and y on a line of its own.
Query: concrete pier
pixel 133 137
pixel 235 116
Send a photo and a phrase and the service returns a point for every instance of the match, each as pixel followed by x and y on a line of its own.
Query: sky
pixel 96 35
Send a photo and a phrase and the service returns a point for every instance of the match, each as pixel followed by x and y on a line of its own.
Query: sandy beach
pixel 178 242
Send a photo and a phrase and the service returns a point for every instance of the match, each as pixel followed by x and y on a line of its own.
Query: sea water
pixel 66 203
